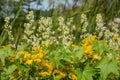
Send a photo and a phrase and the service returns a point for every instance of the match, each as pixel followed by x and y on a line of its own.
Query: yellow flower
pixel 88 50
pixel 40 55
pixel 72 77
pixel 36 78
pixel 27 56
pixel 21 52
pixel 73 45
pixel 29 62
pixel 12 59
pixel 35 48
pixel 19 72
pixel 88 41
pixel 14 79
pixel 43 74
pixel 33 56
pixel 87 44
pixel 115 37
pixel 70 68
pixel 5 47
pixel 60 73
pixel 49 66
pixel 37 60
pixel 82 61
pixel 95 56
pixel 93 37
pixel 41 51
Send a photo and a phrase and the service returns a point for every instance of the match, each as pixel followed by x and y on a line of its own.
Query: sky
pixel 45 4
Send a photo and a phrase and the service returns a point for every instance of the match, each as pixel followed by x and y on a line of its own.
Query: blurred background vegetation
pixel 17 10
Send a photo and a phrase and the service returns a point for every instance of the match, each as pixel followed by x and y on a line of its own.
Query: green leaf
pixel 99 47
pixel 55 57
pixel 107 66
pixel 22 47
pixel 57 77
pixel 22 67
pixel 86 74
pixel 79 53
pixel 3 37
pixel 60 54
pixel 11 68
pixel 4 54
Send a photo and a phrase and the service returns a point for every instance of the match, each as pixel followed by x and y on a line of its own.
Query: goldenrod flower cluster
pixel 87 44
pixel 43 67
pixel 30 58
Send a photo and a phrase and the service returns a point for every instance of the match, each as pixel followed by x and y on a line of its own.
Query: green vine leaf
pixel 86 74
pixel 79 53
pixel 99 47
pixel 10 69
pixel 5 53
pixel 107 66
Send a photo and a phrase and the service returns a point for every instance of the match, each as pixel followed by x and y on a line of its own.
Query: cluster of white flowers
pixel 8 29
pixel 100 28
pixel 65 31
pixel 84 22
pixel 29 30
pixel 115 28
pixel 111 33
pixel 113 44
pixel 108 34
pixel 99 22
pixel 45 33
pixel 117 20
pixel 115 34
pixel 84 26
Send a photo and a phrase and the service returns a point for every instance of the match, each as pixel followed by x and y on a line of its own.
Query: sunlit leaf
pixel 11 68
pixel 99 46
pixel 79 53
pixel 86 74
pixel 107 66
pixel 4 54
